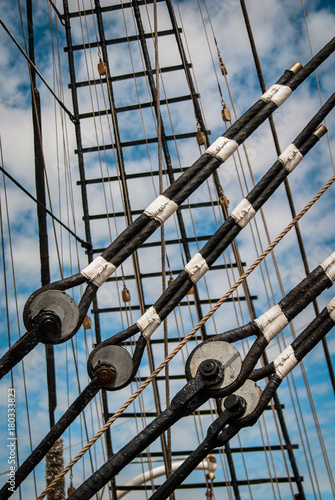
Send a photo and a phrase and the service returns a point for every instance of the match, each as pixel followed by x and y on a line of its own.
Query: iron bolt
pixel 48 323
pixel 209 368
pixel 232 403
pixel 106 373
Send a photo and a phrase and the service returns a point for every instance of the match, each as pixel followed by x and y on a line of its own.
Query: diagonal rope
pixel 188 337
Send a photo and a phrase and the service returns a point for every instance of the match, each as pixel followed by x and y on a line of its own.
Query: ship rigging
pixel 167 318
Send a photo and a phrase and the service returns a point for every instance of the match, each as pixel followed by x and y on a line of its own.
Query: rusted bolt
pixel 48 324
pixel 106 373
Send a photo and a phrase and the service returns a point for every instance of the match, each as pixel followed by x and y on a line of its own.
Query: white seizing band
pixel 149 322
pixel 243 213
pixel 98 270
pixel 222 148
pixel 290 158
pixel 285 362
pixel 328 266
pixel 331 309
pixel 196 267
pixel 277 94
pixel 161 208
pixel 272 322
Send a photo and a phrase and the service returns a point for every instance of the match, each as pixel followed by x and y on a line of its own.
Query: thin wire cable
pixel 32 65
pixel 163 249
pixel 251 227
pixel 317 81
pixel 6 302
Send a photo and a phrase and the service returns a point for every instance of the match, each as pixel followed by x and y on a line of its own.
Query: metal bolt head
pixel 233 403
pixel 48 323
pixel 106 373
pixel 209 368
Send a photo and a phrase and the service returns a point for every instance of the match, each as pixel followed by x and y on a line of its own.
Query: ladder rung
pixel 175 272
pixel 139 212
pixel 116 41
pixel 138 175
pixel 139 142
pixel 167 242
pixel 110 8
pixel 217 451
pixel 218 484
pixel 190 302
pixel 128 76
pixel 133 107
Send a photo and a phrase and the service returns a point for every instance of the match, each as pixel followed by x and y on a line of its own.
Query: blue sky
pixel 280 35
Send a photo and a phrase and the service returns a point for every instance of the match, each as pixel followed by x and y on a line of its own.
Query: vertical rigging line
pixel 69 195
pixel 286 183
pixel 143 47
pixel 219 54
pixel 119 153
pixel 317 81
pixel 168 109
pixel 160 169
pixel 251 311
pixel 304 258
pixel 226 215
pixel 138 95
pixel 58 82
pixel 106 110
pixel 224 210
pixel 279 280
pixel 16 310
pixel 40 139
pixel 94 117
pixel 125 200
pixel 212 208
pixel 184 30
pixel 103 140
pixel 168 160
pixel 68 185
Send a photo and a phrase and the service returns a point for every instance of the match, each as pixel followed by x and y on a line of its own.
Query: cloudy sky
pixel 281 38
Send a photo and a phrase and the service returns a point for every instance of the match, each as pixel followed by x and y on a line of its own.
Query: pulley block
pixel 102 68
pixel 201 138
pixel 251 393
pixel 225 113
pixel 113 366
pixel 222 351
pixel 54 315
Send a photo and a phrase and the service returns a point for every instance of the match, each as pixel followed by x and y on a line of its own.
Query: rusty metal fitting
pixel 105 373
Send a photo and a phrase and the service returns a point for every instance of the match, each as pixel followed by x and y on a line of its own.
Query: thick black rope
pixel 230 228
pixel 135 234
pixel 288 308
pixel 301 346
pixel 49 440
